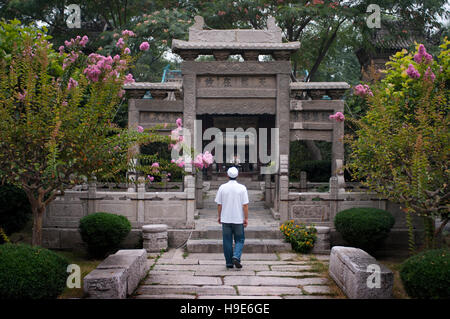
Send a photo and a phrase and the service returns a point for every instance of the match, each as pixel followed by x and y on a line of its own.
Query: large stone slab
pixel 106 284
pixel 354 271
pixel 290 267
pixel 186 289
pixel 182 280
pixel 321 290
pixel 261 281
pixel 268 290
pixel 208 267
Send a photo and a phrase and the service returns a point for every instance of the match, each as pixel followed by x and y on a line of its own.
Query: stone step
pixel 251 246
pixel 257 232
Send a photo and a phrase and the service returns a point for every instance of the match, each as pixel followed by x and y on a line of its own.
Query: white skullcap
pixel 232 172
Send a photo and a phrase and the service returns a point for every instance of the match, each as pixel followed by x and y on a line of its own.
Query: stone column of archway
pixel 282 122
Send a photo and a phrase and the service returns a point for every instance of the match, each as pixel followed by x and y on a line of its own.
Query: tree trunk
pixel 314 150
pixel 38 214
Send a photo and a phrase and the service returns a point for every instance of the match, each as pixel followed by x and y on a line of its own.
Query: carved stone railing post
pixel 140 198
pixel 189 188
pixel 92 195
pixel 303 181
pixel 268 190
pixel 199 189
pixel 334 196
pixel 283 190
pixel 132 177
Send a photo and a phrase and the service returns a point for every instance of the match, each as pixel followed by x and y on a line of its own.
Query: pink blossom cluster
pixel 422 55
pixel 99 65
pixel 412 72
pixel 202 160
pixel 128 33
pixel 339 117
pixel 70 59
pixel 72 84
pixel 144 46
pixel 140 129
pixel 78 41
pixel 429 75
pixel 120 43
pixel 362 90
pixel 128 78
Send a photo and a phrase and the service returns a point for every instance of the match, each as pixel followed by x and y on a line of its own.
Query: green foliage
pixel 300 236
pixel 15 210
pixel 401 145
pixel 427 275
pixel 31 272
pixel 317 171
pixel 103 232
pixel 364 227
pixel 54 135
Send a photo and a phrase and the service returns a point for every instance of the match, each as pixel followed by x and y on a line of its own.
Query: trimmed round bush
pixel 364 227
pixel 103 232
pixel 28 272
pixel 427 275
pixel 15 209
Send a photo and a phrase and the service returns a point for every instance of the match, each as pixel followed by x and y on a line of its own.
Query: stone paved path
pixel 176 274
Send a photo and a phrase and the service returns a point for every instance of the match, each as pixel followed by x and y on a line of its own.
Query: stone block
pixel 155 237
pixel 106 284
pixel 133 261
pixel 138 269
pixel 351 267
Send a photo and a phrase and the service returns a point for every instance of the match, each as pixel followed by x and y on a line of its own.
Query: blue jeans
pixel 228 231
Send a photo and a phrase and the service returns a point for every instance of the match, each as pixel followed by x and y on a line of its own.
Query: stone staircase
pixel 261 236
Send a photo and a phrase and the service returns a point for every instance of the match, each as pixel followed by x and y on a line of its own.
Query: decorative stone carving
pixel 158 94
pixel 316 94
pixel 188 55
pixel 221 55
pixel 136 94
pixel 281 55
pixel 250 55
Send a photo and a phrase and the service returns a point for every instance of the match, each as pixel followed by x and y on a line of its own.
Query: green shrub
pixel 103 232
pixel 28 272
pixel 364 227
pixel 427 275
pixel 15 209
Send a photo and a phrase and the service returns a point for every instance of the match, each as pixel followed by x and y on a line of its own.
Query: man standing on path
pixel 232 207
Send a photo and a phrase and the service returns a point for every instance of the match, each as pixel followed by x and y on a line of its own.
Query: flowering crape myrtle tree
pixel 401 148
pixel 57 111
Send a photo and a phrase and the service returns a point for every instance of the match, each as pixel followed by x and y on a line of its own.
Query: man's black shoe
pixel 236 263
pixel 229 266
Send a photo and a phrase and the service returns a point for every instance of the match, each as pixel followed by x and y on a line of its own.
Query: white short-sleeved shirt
pixel 232 196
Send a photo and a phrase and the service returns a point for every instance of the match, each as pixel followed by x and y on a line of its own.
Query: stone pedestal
pixel 155 237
